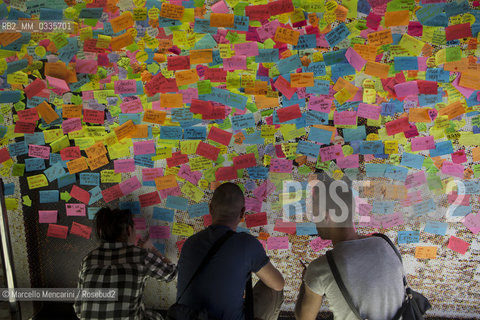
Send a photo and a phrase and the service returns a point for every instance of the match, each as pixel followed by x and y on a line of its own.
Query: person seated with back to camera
pixel 119 264
pixel 219 288
pixel 369 267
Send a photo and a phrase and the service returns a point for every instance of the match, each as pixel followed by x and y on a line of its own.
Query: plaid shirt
pixel 123 267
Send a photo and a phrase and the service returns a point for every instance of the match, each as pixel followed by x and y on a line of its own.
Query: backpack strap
pixel 341 285
pixel 215 247
pixel 396 252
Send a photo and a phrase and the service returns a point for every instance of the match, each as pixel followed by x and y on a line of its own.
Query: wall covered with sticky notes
pixel 148 106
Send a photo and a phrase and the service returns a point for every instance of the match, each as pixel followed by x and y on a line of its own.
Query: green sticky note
pixel 18 169
pixel 198 3
pixel 434 182
pixel 90 22
pixel 476 170
pixel 204 87
pixel 239 9
pixel 27 201
pixel 454 53
pixel 304 170
pixel 65 196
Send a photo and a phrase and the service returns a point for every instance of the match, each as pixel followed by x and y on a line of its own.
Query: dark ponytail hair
pixel 112 225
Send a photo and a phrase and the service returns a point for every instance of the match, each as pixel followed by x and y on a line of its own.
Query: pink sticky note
pixel 47 216
pixel 264 190
pixel 133 106
pixel 39 151
pixel 281 165
pixel 249 49
pixel 81 230
pixel 320 103
pixel 124 165
pixel 347 118
pixel 235 63
pixel 406 89
pixel 86 66
pixel 130 185
pixel 415 179
pixel 285 226
pixel 282 85
pixel 392 220
pixel 351 161
pixel 160 232
pixel 80 194
pixel 472 222
pixel 318 244
pixel 423 143
pixel 369 111
pixel 144 147
pixel 274 243
pixel 219 7
pixel 70 125
pixel 453 169
pixel 75 209
pixel 267 30
pixel 253 205
pixel 355 59
pixel 458 245
pixel 256 219
pixel 125 86
pixel 140 223
pixel 59 84
pixel 331 152
pixel 149 174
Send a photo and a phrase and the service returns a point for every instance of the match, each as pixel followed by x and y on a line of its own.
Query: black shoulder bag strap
pixel 215 247
pixel 341 285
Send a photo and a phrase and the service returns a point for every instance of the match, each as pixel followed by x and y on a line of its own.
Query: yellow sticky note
pixel 37 181
pixel 109 176
pixel 182 229
pixel 192 192
pixel 11 204
pixel 59 144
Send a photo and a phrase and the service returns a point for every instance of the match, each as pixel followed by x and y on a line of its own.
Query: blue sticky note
pixel 309 149
pixel 17 65
pixel 133 206
pixel 171 133
pixel 405 237
pixel 335 36
pixel 91 13
pixel 18 148
pixel 90 178
pixel 424 207
pixel 313 117
pixel 306 229
pixel 383 207
pixel 412 160
pixel 8 189
pixel 160 246
pixel 288 64
pixel 396 173
pixel 243 121
pixel 175 202
pixel 469 187
pixel 341 70
pixel 405 63
pixel 306 41
pixel 124 117
pixel 371 147
pixel 66 180
pixel 92 211
pixel 438 75
pixel 10 96
pixel 253 138
pixel 34 164
pixel 163 214
pixel 461 211
pixel 258 172
pixel 436 227
pixel 320 135
pixel 375 170
pixel 243 229
pixel 95 195
pixel 51 14
pixel 144 160
pixel 55 171
pixel 319 87
pixel 198 210
pixel 203 26
pixel 335 57
pixel 352 134
pixel 180 114
pixel 49 196
pixel 195 133
pixel 442 148
pixel 267 55
pixel 318 68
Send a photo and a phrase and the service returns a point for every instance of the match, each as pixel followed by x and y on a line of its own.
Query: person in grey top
pixel 369 267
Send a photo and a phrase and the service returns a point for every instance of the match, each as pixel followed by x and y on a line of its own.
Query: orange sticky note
pixel 342 83
pixel 141 131
pixel 470 79
pixel 425 252
pixel 125 130
pixel 122 22
pixel 201 56
pixel 96 150
pixel 366 51
pixel 71 111
pixel 380 37
pixel 186 77
pixel 476 154
pixel 419 115
pixel 397 18
pixel 300 80
pixel 123 40
pixel 8 37
pixel 453 110
pixel 154 116
pixel 166 182
pixel 377 69
pixel 77 165
pixel 97 162
pixel 225 20
pixel 172 11
pixel 286 35
pixel 171 100
pixel 56 70
pixel 46 112
pixel 263 102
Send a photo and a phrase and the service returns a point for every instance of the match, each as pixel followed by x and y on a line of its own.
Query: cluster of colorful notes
pixel 154 104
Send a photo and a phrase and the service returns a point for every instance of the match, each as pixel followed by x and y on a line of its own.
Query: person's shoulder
pixel 247 239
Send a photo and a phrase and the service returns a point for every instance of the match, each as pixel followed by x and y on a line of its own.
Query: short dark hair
pixel 227 202
pixel 112 225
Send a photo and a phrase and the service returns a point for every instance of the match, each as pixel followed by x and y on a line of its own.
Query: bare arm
pixel 308 304
pixel 271 277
